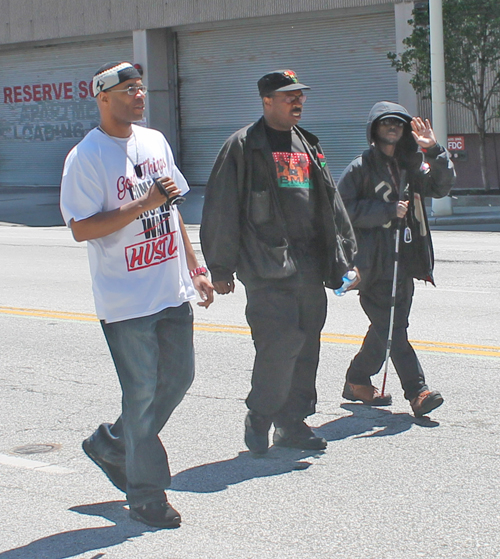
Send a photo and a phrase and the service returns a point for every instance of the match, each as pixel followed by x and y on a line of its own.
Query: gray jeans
pixel 154 359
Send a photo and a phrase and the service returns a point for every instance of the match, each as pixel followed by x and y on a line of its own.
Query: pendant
pixel 407 236
pixel 138 171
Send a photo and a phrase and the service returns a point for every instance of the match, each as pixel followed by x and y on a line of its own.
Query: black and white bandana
pixel 112 74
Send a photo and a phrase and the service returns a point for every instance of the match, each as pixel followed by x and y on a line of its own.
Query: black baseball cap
pixel 279 80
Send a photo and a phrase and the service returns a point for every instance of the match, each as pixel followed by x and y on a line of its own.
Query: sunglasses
pixel 391 122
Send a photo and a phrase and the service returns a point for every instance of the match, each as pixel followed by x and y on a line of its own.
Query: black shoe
pixel 298 435
pixel 160 514
pixel 116 474
pixel 256 432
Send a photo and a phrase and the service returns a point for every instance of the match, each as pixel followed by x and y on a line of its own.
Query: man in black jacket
pixel 384 189
pixel 272 214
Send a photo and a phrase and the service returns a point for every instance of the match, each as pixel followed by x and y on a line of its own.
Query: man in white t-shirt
pixel 120 190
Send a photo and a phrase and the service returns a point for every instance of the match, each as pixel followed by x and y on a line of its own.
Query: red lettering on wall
pixel 37 92
pixel 17 94
pixel 47 92
pixel 68 90
pixel 28 96
pixel 7 95
pixel 82 86
pixel 57 89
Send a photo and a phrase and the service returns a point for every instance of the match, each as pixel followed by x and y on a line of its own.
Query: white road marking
pixel 33 465
pixel 438 290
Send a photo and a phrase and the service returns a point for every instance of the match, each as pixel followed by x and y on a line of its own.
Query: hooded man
pixel 273 216
pixel 383 189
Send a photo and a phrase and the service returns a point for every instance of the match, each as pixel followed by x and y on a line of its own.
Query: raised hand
pixel 423 133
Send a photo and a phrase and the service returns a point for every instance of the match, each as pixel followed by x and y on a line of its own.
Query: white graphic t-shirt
pixel 140 269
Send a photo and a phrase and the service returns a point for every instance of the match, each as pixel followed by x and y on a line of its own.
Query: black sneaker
pixel 160 514
pixel 116 474
pixel 298 435
pixel 256 432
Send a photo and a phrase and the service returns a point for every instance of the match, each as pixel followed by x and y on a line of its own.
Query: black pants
pixel 286 326
pixel 376 303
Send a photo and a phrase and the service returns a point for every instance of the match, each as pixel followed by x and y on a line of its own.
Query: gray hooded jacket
pixel 370 186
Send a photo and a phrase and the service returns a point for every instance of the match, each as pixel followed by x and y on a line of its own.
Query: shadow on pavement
pixel 365 419
pixel 218 476
pixel 75 542
pixel 214 477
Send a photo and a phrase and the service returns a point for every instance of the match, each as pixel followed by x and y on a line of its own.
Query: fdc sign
pixel 456 143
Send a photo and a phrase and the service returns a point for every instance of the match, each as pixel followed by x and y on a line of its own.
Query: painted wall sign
pixel 46 112
pixel 46 92
pixel 456 143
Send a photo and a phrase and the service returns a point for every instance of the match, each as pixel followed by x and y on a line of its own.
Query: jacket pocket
pixel 260 207
pixel 264 260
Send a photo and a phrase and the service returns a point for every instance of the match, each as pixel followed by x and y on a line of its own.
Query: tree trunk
pixel 482 159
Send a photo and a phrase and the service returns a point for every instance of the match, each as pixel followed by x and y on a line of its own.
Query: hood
pixel 379 110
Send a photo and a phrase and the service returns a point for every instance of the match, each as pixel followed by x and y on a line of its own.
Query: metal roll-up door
pixel 46 106
pixel 343 60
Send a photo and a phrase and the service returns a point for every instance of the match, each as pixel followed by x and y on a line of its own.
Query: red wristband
pixel 201 270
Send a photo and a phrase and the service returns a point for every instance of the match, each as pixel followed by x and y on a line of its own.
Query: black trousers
pixel 286 326
pixel 376 302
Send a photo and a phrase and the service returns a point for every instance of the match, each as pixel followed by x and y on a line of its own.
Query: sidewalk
pixel 39 207
pixel 470 213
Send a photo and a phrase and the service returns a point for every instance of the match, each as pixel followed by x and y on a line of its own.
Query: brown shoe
pixel 425 402
pixel 367 394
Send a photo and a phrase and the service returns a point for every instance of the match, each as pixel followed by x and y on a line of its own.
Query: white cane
pixel 402 187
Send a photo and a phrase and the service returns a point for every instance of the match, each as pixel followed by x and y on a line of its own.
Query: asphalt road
pixel 388 486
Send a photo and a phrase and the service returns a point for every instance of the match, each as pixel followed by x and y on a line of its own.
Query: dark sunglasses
pixel 391 122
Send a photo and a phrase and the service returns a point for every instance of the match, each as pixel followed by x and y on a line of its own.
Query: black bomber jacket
pixel 242 228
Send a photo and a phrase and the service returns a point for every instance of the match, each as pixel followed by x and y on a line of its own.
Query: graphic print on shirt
pixel 384 190
pixel 293 169
pixel 160 242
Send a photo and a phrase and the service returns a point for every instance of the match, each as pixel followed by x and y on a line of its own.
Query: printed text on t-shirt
pixel 293 169
pixel 152 252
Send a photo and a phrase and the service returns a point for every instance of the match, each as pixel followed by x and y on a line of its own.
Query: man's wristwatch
pixel 200 271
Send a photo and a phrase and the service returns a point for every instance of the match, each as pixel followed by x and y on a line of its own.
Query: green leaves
pixel 472 52
pixel 472 57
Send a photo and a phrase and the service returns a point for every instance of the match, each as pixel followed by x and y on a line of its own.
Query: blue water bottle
pixel 347 280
